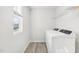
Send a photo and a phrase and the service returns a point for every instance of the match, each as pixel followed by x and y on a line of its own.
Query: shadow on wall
pixel 77 43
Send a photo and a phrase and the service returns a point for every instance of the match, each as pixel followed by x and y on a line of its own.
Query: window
pixel 18 19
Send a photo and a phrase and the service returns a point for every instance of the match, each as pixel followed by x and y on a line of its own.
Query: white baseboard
pixel 37 41
pixel 26 45
pixel 28 42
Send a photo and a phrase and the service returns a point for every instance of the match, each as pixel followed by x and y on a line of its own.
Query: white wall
pixel 69 19
pixel 42 18
pixel 8 41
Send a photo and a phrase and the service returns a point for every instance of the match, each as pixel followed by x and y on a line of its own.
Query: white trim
pixel 37 41
pixel 26 45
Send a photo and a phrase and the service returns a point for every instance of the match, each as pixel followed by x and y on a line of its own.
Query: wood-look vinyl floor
pixel 36 47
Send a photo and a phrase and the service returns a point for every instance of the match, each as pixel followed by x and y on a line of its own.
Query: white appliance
pixel 58 42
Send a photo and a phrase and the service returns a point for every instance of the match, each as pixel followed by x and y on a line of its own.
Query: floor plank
pixel 36 47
